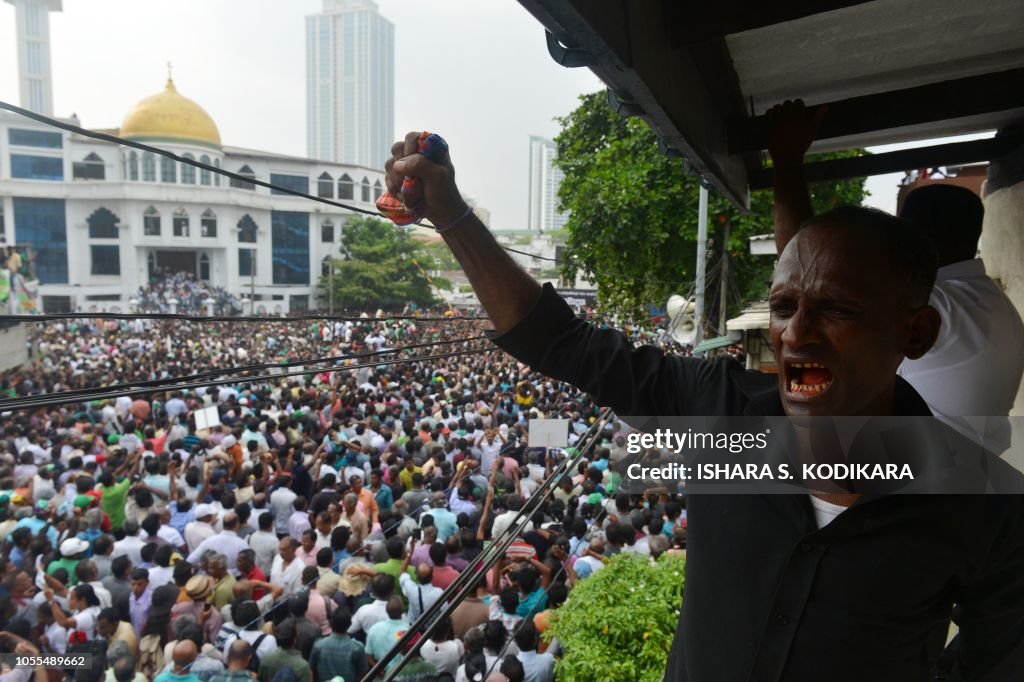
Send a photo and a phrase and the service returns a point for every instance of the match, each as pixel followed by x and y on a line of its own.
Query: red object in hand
pixel 394 207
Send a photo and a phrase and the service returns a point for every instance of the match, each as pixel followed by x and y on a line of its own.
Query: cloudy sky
pixel 476 71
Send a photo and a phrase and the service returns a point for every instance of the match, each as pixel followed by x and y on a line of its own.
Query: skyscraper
pixel 545 178
pixel 35 80
pixel 350 83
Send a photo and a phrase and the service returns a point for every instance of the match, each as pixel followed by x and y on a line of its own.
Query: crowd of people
pixel 190 293
pixel 301 536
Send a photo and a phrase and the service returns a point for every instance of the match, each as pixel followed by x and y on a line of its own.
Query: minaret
pixel 35 80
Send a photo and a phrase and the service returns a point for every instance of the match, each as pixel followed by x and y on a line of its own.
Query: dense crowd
pixel 190 293
pixel 300 537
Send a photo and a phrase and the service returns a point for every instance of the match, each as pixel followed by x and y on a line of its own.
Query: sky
pixel 475 71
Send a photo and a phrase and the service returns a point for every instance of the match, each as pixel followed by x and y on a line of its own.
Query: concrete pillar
pixel 1002 236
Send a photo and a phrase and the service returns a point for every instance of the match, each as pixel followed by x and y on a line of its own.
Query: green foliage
pixel 633 213
pixel 381 270
pixel 437 256
pixel 618 624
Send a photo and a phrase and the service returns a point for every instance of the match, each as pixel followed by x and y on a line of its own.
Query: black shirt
pixel 768 595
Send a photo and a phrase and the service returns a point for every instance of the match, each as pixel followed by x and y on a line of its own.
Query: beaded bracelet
pixel 445 228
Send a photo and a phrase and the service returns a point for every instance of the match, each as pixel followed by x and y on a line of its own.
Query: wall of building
pixel 1002 248
pixel 13 346
pixel 129 199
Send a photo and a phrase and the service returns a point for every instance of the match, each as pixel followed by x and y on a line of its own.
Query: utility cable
pixel 56 399
pixel 464 583
pixel 554 579
pixel 180 159
pixel 14 403
pixel 50 317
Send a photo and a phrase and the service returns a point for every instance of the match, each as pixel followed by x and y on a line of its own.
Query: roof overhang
pixel 703 75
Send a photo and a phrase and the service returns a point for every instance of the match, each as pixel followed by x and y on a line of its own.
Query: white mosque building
pixel 101 219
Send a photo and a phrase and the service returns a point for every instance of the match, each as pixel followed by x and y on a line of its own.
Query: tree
pixel 383 267
pixel 618 624
pixel 632 227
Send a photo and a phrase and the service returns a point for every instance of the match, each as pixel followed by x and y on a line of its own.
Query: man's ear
pixel 922 330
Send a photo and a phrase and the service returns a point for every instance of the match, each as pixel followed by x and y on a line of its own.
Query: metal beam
pixel 951 154
pixel 945 101
pixel 689 23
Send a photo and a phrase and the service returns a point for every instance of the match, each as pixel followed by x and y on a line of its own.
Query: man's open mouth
pixel 808 378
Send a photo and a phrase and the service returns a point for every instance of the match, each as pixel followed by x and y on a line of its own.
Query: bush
pixel 618 624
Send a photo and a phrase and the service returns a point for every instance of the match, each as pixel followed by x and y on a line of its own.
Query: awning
pixel 703 75
pixel 714 342
pixel 755 316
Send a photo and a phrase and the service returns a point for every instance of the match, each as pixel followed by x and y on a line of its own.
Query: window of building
pixel 366 189
pixel 35 138
pixel 377 190
pixel 204 175
pixel 208 224
pixel 216 176
pixel 345 187
pixel 290 246
pixel 247 262
pixel 41 225
pixel 188 173
pixel 56 304
pixel 133 166
pixel 179 223
pixel 325 266
pixel 106 259
pixel 298 183
pixel 151 222
pixel 30 167
pixel 102 224
pixel 3 226
pixel 204 267
pixel 148 167
pixel 247 229
pixel 90 168
pixel 325 186
pixel 242 184
pixel 327 232
pixel 168 170
pixel 151 263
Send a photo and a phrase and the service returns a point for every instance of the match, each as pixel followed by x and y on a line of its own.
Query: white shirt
pixel 131 546
pixel 503 521
pixel 488 452
pixel 102 593
pixel 444 655
pixel 289 578
pixel 225 542
pixel 975 366
pixel 267 644
pixel 265 546
pixel 825 512
pixel 281 503
pixel 160 576
pixel 196 533
pixel 415 592
pixel 170 536
pixel 368 615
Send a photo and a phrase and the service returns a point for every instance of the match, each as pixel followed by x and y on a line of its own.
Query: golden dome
pixel 168 115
